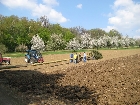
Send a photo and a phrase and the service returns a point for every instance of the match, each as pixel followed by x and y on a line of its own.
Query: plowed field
pixel 113 80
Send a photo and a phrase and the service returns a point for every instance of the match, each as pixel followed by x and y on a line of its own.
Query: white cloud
pixel 79 6
pixel 118 3
pixel 19 3
pixel 57 16
pixel 125 17
pixel 40 9
pixel 114 20
pixel 37 9
pixel 108 28
pixel 51 2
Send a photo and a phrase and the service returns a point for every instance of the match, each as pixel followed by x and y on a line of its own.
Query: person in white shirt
pixel 84 57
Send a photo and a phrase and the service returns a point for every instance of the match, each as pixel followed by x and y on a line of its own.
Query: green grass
pixel 19 54
pixel 63 51
pixel 15 54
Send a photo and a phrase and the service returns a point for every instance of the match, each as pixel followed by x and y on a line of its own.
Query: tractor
pixel 33 56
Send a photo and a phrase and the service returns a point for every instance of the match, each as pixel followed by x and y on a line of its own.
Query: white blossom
pixel 85 40
pixel 74 44
pixel 37 43
pixel 56 42
pixel 93 42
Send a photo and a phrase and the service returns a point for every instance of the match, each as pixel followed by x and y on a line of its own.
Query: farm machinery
pixel 33 56
pixel 4 59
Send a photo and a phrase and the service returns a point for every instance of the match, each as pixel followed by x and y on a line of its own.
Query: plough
pixel 35 64
pixel 50 62
pixel 17 66
pixel 54 61
pixel 4 59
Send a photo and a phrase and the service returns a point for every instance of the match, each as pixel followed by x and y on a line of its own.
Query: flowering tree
pixel 112 41
pixel 85 40
pixel 74 44
pixel 132 41
pixel 56 42
pixel 37 43
pixel 116 41
pixel 93 43
pixel 126 41
pixel 137 42
pixel 96 43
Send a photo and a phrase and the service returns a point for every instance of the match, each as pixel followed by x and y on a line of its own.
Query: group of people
pixel 78 57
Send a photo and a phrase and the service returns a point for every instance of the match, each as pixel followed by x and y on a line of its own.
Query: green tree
pixel 9 32
pixel 113 33
pixel 67 34
pixel 44 33
pixel 97 33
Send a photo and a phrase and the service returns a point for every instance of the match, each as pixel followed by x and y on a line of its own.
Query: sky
pixel 121 15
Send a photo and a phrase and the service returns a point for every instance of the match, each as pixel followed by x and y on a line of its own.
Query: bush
pixel 96 54
pixel 21 48
pixel 3 48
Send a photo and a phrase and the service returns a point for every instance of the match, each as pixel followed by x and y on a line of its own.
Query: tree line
pixel 16 33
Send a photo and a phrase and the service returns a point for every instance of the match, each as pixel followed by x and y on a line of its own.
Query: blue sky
pixel 122 15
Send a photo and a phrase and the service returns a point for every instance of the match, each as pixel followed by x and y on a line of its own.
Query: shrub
pixel 96 54
pixel 3 48
pixel 21 48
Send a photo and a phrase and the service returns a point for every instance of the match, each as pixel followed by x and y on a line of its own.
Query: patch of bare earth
pixel 113 80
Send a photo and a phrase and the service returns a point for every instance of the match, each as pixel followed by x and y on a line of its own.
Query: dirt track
pixel 113 80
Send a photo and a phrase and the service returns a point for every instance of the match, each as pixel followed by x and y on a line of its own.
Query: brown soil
pixel 63 65
pixel 113 80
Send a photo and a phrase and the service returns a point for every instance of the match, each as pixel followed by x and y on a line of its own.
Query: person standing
pixel 75 58
pixel 84 57
pixel 71 57
pixel 80 57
